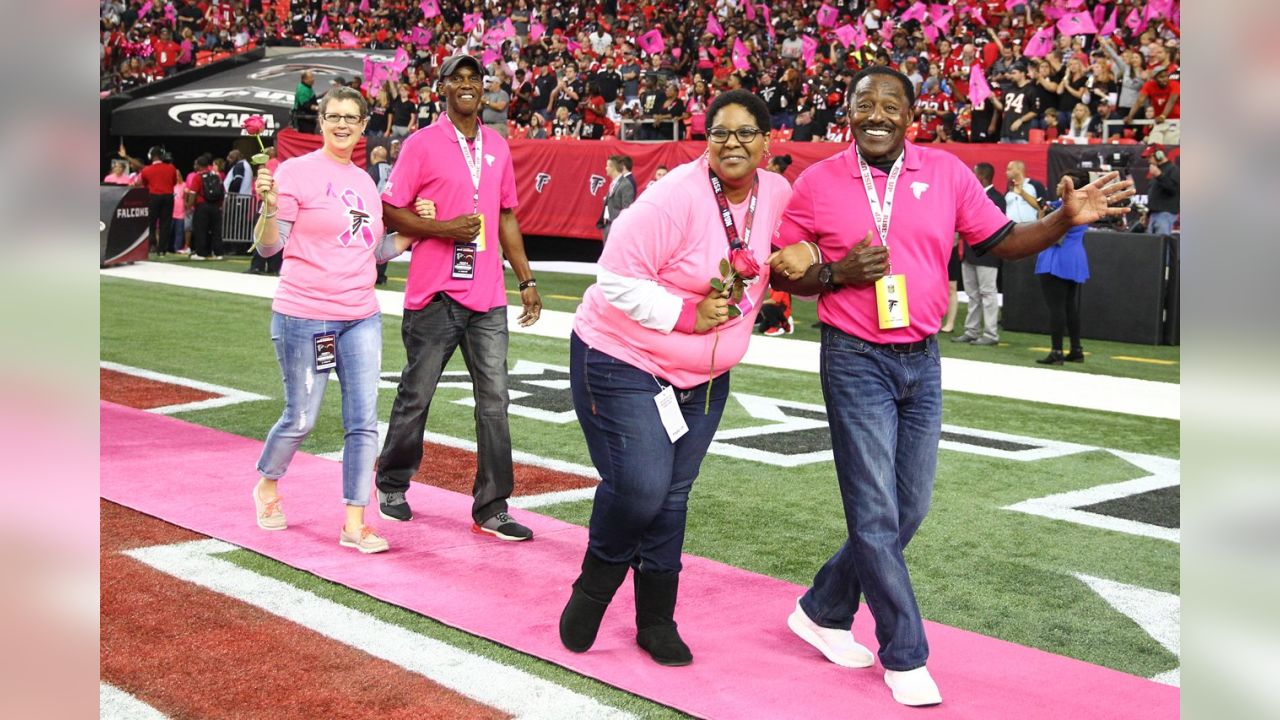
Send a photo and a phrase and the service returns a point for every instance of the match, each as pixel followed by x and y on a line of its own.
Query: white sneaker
pixel 913 687
pixel 215 257
pixel 194 256
pixel 837 645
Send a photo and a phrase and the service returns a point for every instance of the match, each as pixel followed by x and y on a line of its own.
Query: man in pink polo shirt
pixel 455 293
pixel 883 293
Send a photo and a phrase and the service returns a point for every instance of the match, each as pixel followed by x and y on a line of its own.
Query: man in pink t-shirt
pixel 883 292
pixel 456 293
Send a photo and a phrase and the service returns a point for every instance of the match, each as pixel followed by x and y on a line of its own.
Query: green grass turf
pixel 562 291
pixel 993 571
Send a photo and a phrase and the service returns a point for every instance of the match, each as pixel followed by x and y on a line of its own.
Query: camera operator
pixel 1162 194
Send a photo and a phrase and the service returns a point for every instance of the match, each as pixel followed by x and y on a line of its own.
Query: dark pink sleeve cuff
pixel 688 319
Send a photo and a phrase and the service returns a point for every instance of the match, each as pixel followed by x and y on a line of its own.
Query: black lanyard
pixel 730 230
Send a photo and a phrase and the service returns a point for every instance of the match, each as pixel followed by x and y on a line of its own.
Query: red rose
pixel 744 263
pixel 254 124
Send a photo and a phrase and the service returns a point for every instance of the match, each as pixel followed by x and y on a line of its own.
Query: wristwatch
pixel 826 276
pixel 526 284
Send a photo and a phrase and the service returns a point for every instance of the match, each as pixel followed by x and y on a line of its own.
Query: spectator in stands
pixel 621 193
pixel 595 121
pixel 380 172
pixel 204 195
pixel 670 115
pixel 239 178
pixel 1079 125
pixel 1163 203
pixel 304 103
pixel 779 164
pixel 1017 105
pixel 1062 269
pixel 979 273
pixel 159 178
pixel 455 295
pixel 494 102
pixel 119 174
pixel 325 314
pixel 1164 96
pixel 379 114
pixel 403 113
pixel 639 336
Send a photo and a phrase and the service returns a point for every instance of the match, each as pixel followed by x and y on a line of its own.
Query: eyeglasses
pixel 348 119
pixel 744 134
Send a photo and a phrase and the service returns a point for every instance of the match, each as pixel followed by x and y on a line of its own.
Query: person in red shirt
pixel 1163 94
pixel 931 109
pixel 957 69
pixel 166 51
pixel 206 217
pixel 159 178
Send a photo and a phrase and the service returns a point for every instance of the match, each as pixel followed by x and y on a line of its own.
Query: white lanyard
pixel 882 213
pixel 473 163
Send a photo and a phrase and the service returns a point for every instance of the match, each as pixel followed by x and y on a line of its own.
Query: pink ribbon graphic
pixel 360 221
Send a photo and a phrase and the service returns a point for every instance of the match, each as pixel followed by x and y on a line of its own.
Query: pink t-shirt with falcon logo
pixel 329 268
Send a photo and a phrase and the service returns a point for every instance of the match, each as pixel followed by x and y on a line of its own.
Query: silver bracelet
pixel 813 253
pixel 269 215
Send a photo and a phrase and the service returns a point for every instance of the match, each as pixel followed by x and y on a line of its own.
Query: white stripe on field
pixel 508 689
pixel 230 396
pixel 1032 384
pixel 116 704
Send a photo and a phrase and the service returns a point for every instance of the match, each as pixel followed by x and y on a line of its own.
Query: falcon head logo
pixel 541 180
pixel 597 182
pixel 918 188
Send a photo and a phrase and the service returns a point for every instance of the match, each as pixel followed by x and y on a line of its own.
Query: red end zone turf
pixel 747 663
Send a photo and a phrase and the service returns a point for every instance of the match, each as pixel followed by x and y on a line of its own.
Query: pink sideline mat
pixel 747 664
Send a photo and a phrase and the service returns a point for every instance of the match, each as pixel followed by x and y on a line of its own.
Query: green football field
pixel 976 565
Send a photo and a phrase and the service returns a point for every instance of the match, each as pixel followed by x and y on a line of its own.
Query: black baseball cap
pixel 453 62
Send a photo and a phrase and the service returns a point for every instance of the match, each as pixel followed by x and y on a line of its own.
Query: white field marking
pixel 116 704
pixel 499 686
pixel 1065 506
pixel 1159 614
pixel 230 396
pixel 1071 389
pixel 529 502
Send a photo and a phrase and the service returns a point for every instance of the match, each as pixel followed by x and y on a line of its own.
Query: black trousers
pixel 160 213
pixel 1063 298
pixel 269 265
pixel 206 230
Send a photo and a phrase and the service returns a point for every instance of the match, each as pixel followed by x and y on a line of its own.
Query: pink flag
pixel 917 12
pixel 508 28
pixel 810 48
pixel 847 35
pixel 886 30
pixel 401 61
pixel 979 89
pixel 749 11
pixel 860 34
pixel 489 57
pixel 573 46
pixel 1077 24
pixel 677 52
pixel 1109 28
pixel 145 10
pixel 931 34
pixel 976 13
pixel 768 21
pixel 740 55
pixel 347 39
pixel 1053 12
pixel 170 14
pixel 942 15
pixel 536 30
pixel 430 8
pixel 1099 14
pixel 470 20
pixel 827 16
pixel 324 26
pixel 1073 4
pixel 368 70
pixel 713 27
pixel 1011 4
pixel 1134 21
pixel 1157 9
pixel 364 6
pixel 494 38
pixel 420 37
pixel 1040 44
pixel 651 42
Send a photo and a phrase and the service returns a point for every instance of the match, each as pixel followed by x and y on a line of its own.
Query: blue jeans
pixel 885 410
pixel 640 506
pixel 359 352
pixel 1161 223
pixel 431 335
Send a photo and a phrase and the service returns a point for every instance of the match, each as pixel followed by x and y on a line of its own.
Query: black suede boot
pixel 655 623
pixel 1076 355
pixel 592 593
pixel 1053 358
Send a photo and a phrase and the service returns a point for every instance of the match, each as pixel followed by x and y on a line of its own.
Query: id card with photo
pixel 891 302
pixel 326 351
pixel 464 261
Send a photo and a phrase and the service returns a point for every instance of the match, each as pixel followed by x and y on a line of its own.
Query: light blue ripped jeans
pixel 359 352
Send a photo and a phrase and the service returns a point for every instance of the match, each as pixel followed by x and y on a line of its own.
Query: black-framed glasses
pixel 336 118
pixel 744 134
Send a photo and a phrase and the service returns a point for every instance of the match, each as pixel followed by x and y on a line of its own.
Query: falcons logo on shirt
pixel 541 180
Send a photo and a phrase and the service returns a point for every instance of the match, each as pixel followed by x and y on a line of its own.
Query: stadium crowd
pixel 983 70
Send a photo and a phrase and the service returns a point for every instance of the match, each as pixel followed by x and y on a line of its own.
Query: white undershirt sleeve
pixel 644 301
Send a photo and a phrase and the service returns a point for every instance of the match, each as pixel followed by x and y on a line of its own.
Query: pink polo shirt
pixel 431 166
pixel 673 235
pixel 936 197
pixel 337 221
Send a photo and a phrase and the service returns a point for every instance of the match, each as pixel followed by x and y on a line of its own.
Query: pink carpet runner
pixel 747 663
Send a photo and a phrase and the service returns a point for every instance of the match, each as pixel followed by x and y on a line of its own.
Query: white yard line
pixel 1055 387
pixel 116 704
pixel 229 396
pixel 508 689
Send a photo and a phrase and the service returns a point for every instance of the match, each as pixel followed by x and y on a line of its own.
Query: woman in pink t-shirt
pixel 325 213
pixel 650 355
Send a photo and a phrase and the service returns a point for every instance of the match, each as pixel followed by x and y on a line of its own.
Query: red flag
pixel 827 16
pixel 979 89
pixel 1040 44
pixel 1077 24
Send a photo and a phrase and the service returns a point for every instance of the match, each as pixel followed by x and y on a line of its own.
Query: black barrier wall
pixel 1127 298
pixel 122 232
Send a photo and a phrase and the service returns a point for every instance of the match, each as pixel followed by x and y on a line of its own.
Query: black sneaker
pixel 393 506
pixel 1076 355
pixel 503 527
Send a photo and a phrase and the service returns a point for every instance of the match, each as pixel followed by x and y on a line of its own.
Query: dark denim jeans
pixel 430 336
pixel 640 506
pixel 885 410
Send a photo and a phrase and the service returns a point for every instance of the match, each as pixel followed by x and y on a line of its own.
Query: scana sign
pixel 217 115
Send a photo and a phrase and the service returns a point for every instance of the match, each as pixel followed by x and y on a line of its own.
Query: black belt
pixel 902 348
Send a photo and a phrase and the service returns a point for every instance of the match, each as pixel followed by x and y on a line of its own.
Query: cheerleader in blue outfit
pixel 1063 268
